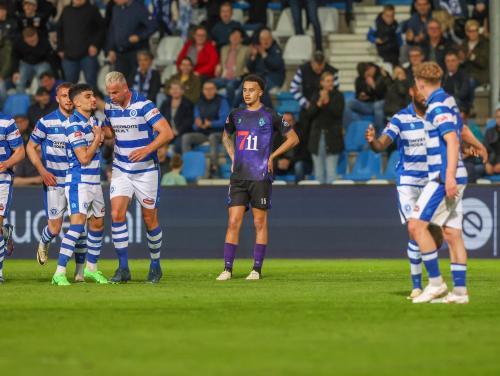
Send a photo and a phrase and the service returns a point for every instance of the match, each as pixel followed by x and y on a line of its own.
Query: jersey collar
pixel 80 116
pixel 434 94
pixel 60 115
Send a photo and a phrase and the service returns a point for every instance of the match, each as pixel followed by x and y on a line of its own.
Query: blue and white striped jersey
pixel 10 139
pixel 50 134
pixel 78 134
pixel 408 131
pixel 133 128
pixel 443 116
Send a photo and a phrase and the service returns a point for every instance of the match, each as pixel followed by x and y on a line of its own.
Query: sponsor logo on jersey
pixel 78 134
pixel 148 201
pixel 155 111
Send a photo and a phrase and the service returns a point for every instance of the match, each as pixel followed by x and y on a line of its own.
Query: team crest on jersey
pixel 112 189
pixel 86 205
pixel 262 122
pixel 407 208
pixel 133 113
pixel 239 121
pixel 53 211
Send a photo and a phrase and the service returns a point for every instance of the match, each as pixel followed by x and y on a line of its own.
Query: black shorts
pixel 245 192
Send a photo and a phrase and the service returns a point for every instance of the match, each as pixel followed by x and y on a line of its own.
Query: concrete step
pixel 361 30
pixel 339 46
pixel 376 9
pixel 352 59
pixel 370 17
pixel 347 87
pixel 346 38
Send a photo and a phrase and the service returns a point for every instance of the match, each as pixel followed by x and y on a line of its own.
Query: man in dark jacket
pixel 129 30
pixel 385 35
pixel 416 25
pixel 396 97
pixel 41 107
pixel 435 45
pixel 210 114
pixel 37 16
pixel 266 60
pixel 78 43
pixel 456 82
pixel 221 30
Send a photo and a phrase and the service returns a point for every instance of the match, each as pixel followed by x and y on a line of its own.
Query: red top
pixel 208 58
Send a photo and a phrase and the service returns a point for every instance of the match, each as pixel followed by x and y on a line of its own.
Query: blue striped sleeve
pixel 39 133
pixel 151 113
pixel 75 136
pixel 443 119
pixel 13 136
pixel 392 129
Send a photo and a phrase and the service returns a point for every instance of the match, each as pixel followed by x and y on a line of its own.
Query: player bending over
pixel 139 130
pixel 11 153
pixel 252 163
pixel 83 185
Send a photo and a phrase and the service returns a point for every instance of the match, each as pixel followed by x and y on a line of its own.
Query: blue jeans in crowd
pixel 312 16
pixel 355 109
pixel 325 165
pixel 28 72
pixel 230 85
pixel 88 65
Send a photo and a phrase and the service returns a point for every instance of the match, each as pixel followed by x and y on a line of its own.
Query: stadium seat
pixel 16 104
pixel 103 71
pixel 168 72
pixel 274 6
pixel 284 27
pixel 279 182
pixel 290 178
pixel 284 96
pixel 390 169
pixel 238 15
pixel 493 178
pixel 337 5
pixel 194 165
pixel 343 182
pixel 355 135
pixel 342 164
pixel 168 50
pixel 349 95
pixel 204 148
pixel 292 106
pixel 490 123
pixel 308 182
pixel 368 166
pixel 377 181
pixel 394 2
pixel 298 49
pixel 483 181
pixel 243 5
pixel 328 19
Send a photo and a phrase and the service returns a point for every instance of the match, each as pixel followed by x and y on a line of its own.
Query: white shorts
pixel 5 199
pixel 144 186
pixel 55 202
pixel 85 199
pixel 433 206
pixel 407 198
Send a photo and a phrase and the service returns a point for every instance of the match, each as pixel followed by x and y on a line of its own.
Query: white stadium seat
pixel 105 69
pixel 298 49
pixel 308 182
pixel 168 72
pixel 168 50
pixel 238 15
pixel 284 28
pixel 328 19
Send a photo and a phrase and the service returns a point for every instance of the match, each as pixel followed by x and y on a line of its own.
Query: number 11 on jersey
pixel 247 142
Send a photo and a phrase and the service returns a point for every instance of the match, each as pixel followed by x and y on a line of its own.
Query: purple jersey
pixel 253 141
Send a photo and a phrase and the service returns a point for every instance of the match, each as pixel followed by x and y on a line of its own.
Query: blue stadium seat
pixel 349 95
pixel 369 118
pixel 225 171
pixel 355 136
pixel 16 104
pixel 204 148
pixel 339 5
pixel 274 6
pixel 390 170
pixel 368 166
pixel 288 178
pixel 194 165
pixel 490 123
pixel 241 5
pixel 292 106
pixel 342 164
pixel 493 178
pixel 284 96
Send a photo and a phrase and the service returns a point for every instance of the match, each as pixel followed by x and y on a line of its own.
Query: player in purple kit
pixel 252 167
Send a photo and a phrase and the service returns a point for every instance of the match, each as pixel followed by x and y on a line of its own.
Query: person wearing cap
pixel 36 16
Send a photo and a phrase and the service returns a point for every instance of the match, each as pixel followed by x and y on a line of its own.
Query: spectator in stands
pixel 473 163
pixel 301 160
pixel 146 80
pixel 397 94
pixel 385 35
pixel 311 7
pixel 266 60
pixel 232 66
pixel 31 16
pixel 456 82
pixel 492 143
pixel 174 177
pixel 257 13
pixel 326 140
pixel 435 45
pixel 416 25
pixel 474 54
pixel 284 164
pixel 24 172
pixel 415 57
pixel 480 14
pixel 48 81
pixel 306 80
pixel 371 85
pixel 202 53
pixel 41 107
pixel 447 23
pixel 8 28
pixel 456 8
pixel 78 43
pixel 179 112
pixel 190 82
pixel 222 29
pixel 163 160
pixel 31 55
pixel 210 113
pixel 129 30
pixel 162 12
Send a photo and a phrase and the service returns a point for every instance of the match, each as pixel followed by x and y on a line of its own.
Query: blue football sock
pixel 119 233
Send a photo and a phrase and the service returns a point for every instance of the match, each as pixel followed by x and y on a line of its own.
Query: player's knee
pixel 151 222
pixel 234 224
pixel 414 228
pixel 260 223
pixel 451 235
pixel 118 215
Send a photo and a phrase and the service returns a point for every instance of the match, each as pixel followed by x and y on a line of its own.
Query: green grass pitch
pixel 315 317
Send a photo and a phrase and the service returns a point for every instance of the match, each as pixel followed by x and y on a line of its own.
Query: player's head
pixel 253 89
pixel 418 100
pixel 62 97
pixel 428 77
pixel 318 62
pixel 327 81
pixel 117 88
pixel 82 96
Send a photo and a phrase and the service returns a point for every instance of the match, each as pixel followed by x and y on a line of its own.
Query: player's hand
pixel 133 39
pixel 3 167
pixel 270 165
pixel 139 154
pixel 92 50
pixel 379 41
pixel 48 179
pixel 451 187
pixel 112 57
pixel 97 131
pixel 370 134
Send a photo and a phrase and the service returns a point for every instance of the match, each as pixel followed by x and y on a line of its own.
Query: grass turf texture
pixel 313 317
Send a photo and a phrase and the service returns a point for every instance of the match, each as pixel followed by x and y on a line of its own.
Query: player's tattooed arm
pixel 376 144
pixel 32 150
pixel 228 144
pixel 165 135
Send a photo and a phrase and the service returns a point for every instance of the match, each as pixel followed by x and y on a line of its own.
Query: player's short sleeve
pixel 229 125
pixel 13 135
pixel 76 137
pixel 39 133
pixel 151 113
pixel 107 114
pixel 392 129
pixel 443 119
pixel 279 124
